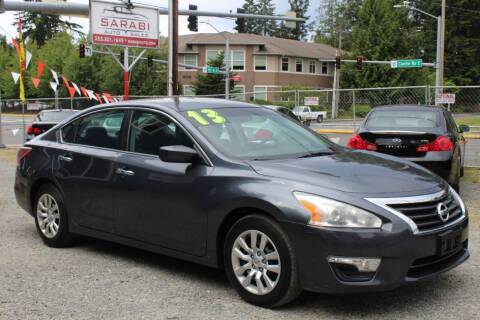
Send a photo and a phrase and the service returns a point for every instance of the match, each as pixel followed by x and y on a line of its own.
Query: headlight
pixel 330 213
pixel 459 200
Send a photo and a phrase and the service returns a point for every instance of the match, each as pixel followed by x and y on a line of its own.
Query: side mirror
pixel 463 128
pixel 180 154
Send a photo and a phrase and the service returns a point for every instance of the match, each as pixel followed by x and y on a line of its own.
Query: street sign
pixel 400 64
pixel 310 101
pixel 88 51
pixel 236 78
pixel 209 69
pixel 445 98
pixel 118 25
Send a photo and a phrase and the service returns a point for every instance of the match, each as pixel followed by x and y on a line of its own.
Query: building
pixel 264 64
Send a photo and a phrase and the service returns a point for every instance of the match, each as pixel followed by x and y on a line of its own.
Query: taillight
pixel 34 131
pixel 357 142
pixel 22 153
pixel 442 143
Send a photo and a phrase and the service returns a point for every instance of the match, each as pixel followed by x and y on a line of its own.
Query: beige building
pixel 264 64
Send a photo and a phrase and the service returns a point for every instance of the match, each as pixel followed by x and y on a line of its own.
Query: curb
pixel 347 131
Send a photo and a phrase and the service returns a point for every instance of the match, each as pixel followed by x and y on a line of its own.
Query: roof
pixel 416 107
pixel 272 45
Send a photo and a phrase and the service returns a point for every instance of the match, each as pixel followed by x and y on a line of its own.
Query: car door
pixel 85 165
pixel 159 202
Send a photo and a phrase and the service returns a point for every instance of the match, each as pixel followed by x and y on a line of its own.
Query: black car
pixel 240 187
pixel 426 135
pixel 47 119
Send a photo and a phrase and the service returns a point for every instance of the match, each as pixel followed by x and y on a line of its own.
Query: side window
pixel 68 132
pixel 101 129
pixel 451 125
pixel 150 131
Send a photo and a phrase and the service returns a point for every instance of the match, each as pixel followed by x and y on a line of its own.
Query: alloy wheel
pixel 48 215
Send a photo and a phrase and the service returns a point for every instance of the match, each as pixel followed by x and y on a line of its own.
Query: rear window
pixel 403 119
pixel 54 116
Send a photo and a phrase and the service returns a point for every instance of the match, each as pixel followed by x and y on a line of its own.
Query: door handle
pixel 65 158
pixel 124 172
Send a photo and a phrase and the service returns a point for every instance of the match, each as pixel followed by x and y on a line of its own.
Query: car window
pixel 150 131
pixel 68 132
pixel 54 116
pixel 102 129
pixel 256 133
pixel 452 126
pixel 403 119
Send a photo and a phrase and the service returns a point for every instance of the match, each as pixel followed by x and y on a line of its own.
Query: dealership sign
pixel 311 101
pixel 115 24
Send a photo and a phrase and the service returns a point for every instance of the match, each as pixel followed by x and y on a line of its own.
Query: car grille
pixel 425 215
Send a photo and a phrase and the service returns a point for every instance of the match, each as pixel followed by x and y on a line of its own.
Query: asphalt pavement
pixel 101 280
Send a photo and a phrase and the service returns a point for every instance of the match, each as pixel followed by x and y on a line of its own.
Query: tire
pixel 282 272
pixel 46 219
pixel 320 119
pixel 307 123
pixel 462 171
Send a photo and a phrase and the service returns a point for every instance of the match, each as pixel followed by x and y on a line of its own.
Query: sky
pixel 7 18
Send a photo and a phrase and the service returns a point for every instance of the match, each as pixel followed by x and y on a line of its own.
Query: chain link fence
pixel 345 108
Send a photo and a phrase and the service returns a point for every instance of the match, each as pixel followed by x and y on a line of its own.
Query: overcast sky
pixel 6 19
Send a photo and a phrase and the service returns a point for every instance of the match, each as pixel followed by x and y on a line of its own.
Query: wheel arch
pixel 37 184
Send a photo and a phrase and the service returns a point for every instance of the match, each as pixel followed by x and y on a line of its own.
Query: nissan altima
pixel 237 186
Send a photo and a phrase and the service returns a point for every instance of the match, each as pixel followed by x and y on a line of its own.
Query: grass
pixel 470 121
pixel 9 155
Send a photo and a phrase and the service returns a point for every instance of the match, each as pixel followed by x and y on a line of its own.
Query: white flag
pixel 54 86
pixel 91 95
pixel 76 88
pixel 28 58
pixel 15 76
pixel 55 76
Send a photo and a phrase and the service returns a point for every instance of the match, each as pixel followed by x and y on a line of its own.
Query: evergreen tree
pixel 251 7
pixel 266 27
pixel 302 29
pixel 211 83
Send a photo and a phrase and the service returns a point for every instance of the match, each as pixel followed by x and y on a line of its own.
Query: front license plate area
pixel 449 241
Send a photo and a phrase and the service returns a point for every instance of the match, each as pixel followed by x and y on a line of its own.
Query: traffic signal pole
pixel 126 74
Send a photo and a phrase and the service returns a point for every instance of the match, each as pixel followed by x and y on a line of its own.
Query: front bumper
pixel 405 258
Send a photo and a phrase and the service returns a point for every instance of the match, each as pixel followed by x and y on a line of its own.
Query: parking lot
pixel 101 280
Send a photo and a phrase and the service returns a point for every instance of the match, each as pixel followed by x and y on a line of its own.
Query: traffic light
pixel 338 61
pixel 240 22
pixel 359 62
pixel 82 50
pixel 122 57
pixel 192 20
pixel 149 61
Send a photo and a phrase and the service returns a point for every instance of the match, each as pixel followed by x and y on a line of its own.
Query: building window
pixel 312 66
pixel 260 93
pixel 261 63
pixel 188 90
pixel 212 54
pixel 190 59
pixel 324 67
pixel 238 60
pixel 238 93
pixel 285 64
pixel 299 65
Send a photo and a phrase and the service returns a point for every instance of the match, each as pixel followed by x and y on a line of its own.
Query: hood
pixel 354 172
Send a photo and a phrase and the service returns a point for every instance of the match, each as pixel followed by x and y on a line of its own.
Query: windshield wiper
pixel 316 154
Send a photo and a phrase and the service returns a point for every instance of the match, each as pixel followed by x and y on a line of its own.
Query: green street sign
pixel 413 63
pixel 209 69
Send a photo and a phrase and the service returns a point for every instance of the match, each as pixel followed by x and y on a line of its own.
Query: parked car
pixel 426 135
pixel 283 110
pixel 281 210
pixel 307 115
pixel 47 119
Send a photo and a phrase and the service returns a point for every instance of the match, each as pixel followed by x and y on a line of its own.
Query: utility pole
pixel 1 140
pixel 227 69
pixel 442 45
pixel 126 74
pixel 173 47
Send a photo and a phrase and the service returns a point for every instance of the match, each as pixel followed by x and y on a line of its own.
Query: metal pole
pixel 334 94
pixel 227 69
pixel 172 46
pixel 354 111
pixel 442 44
pixel 1 140
pixel 23 121
pixel 438 58
pixel 56 99
pixel 125 74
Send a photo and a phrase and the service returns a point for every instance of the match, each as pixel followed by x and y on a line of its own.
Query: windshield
pixel 54 116
pixel 257 133
pixel 403 119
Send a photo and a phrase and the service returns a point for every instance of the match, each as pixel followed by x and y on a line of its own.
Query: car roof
pixel 58 110
pixel 407 107
pixel 185 103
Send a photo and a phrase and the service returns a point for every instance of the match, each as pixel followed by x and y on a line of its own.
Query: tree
pixel 42 27
pixel 211 83
pixel 266 27
pixel 302 29
pixel 251 26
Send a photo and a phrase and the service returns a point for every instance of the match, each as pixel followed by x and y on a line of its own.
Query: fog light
pixel 362 264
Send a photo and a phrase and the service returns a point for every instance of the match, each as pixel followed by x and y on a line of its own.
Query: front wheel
pixel 320 119
pixel 260 262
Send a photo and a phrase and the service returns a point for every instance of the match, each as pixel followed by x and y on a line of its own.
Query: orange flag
pixel 36 82
pixel 40 67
